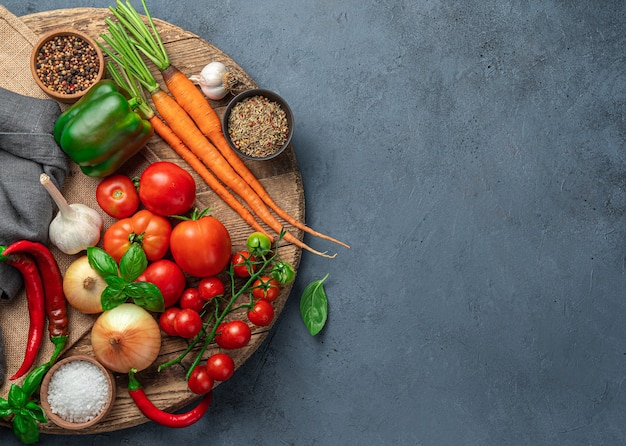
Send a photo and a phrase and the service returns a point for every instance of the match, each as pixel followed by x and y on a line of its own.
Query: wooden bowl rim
pixel 56 419
pixel 66 98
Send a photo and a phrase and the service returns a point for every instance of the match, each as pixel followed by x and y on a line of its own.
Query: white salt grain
pixel 78 391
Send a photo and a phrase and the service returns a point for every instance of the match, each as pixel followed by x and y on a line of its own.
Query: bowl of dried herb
pixel 65 63
pixel 258 124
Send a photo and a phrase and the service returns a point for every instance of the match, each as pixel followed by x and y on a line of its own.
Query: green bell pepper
pixel 102 131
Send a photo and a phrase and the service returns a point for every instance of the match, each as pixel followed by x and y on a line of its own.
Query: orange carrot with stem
pixel 196 105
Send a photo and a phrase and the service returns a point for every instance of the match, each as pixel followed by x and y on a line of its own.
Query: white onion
pixel 83 286
pixel 126 337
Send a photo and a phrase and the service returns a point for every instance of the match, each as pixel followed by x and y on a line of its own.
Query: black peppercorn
pixel 61 64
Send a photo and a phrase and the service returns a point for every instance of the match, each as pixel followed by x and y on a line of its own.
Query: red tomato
pixel 191 299
pixel 166 320
pixel 262 314
pixel 220 366
pixel 167 189
pixel 266 287
pixel 210 287
pixel 242 264
pixel 187 323
pixel 117 196
pixel 168 277
pixel 201 246
pixel 150 230
pixel 199 381
pixel 233 334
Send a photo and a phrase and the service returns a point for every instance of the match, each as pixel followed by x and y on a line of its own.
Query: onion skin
pixel 126 337
pixel 83 286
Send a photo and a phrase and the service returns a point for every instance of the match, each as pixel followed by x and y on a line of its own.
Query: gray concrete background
pixel 473 155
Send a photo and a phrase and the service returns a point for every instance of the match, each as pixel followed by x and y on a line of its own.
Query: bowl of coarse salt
pixel 77 392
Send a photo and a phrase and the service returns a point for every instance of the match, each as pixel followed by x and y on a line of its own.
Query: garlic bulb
pixel 76 226
pixel 216 81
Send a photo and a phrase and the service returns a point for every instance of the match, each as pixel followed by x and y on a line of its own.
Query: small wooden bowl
pixel 57 419
pixel 272 97
pixel 60 96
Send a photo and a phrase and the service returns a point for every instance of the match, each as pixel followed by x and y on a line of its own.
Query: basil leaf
pixel 5 408
pixel 314 306
pixel 102 262
pixel 17 397
pixel 115 282
pixel 111 297
pixel 146 295
pixel 36 412
pixel 133 262
pixel 25 429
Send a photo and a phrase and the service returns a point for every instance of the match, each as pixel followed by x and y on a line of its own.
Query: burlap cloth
pixel 16 42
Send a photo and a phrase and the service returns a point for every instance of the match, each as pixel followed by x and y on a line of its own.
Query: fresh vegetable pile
pixel 163 268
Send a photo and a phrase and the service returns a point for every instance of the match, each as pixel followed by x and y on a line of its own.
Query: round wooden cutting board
pixel 168 389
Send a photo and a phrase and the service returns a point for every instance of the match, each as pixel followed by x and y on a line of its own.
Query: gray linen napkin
pixel 27 148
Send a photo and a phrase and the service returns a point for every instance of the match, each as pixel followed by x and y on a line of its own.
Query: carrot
pixel 184 127
pixel 165 132
pixel 207 120
pixel 196 105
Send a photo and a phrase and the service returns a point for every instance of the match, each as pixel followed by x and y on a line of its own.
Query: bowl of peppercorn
pixel 258 124
pixel 65 63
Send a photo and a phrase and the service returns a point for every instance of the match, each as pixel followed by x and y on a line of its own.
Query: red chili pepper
pixel 155 414
pixel 56 304
pixel 27 266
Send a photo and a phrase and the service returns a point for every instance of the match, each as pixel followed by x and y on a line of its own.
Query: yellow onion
pixel 126 337
pixel 83 286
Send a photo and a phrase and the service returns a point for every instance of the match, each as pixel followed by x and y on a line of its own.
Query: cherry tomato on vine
pixel 187 323
pixel 243 265
pixel 258 244
pixel 220 366
pixel 150 230
pixel 283 272
pixel 266 287
pixel 191 299
pixel 199 381
pixel 262 313
pixel 168 277
pixel 166 320
pixel 210 288
pixel 233 334
pixel 201 245
pixel 117 196
pixel 167 189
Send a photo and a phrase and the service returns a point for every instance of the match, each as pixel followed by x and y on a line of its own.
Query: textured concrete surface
pixel 473 155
